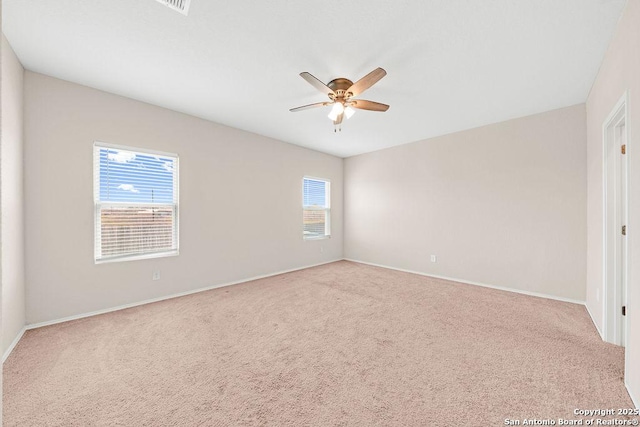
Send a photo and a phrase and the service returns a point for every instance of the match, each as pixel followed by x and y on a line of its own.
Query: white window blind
pixel 316 209
pixel 136 203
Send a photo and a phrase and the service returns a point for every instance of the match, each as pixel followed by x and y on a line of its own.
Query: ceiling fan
pixel 341 92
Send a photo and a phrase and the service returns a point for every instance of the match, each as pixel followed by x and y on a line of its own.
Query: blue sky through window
pixel 314 193
pixel 127 176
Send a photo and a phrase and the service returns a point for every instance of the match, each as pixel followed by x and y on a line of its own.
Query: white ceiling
pixel 451 64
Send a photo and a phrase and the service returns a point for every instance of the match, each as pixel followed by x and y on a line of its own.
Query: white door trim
pixel 612 238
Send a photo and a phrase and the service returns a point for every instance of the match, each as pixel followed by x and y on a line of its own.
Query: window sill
pixel 137 257
pixel 316 238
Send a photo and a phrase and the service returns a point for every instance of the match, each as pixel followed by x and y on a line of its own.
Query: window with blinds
pixel 136 203
pixel 316 209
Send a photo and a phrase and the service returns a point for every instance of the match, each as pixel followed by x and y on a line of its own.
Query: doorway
pixel 616 227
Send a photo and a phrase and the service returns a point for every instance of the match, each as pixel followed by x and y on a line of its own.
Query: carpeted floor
pixel 336 345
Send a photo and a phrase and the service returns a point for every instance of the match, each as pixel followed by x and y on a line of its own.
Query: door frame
pixel 612 236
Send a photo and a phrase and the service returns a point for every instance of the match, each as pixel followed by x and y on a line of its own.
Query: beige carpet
pixel 335 345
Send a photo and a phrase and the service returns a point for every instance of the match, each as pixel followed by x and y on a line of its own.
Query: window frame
pixel 97 205
pixel 326 208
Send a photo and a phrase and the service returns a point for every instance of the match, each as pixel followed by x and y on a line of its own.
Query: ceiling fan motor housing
pixel 339 86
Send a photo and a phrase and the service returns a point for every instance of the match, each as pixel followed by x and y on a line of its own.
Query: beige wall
pixel 13 284
pixel 619 72
pixel 240 201
pixel 502 205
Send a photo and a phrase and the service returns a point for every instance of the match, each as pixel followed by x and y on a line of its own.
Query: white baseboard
pixel 467 282
pixel 13 344
pixel 181 294
pixel 635 401
pixel 594 322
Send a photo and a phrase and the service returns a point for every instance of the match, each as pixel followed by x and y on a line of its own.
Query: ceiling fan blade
pixel 306 107
pixel 367 81
pixel 368 105
pixel 316 83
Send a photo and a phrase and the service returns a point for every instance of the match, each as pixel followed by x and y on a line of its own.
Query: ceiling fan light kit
pixel 341 92
pixel 337 109
pixel 349 111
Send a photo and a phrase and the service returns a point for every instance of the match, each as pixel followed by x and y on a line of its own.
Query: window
pixel 136 203
pixel 316 209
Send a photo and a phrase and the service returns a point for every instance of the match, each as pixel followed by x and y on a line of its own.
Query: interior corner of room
pixel 540 204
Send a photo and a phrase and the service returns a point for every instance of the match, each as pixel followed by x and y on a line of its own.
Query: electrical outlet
pixel 434 258
pixel 155 275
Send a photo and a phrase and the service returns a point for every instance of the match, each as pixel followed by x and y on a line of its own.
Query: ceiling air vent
pixel 181 6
